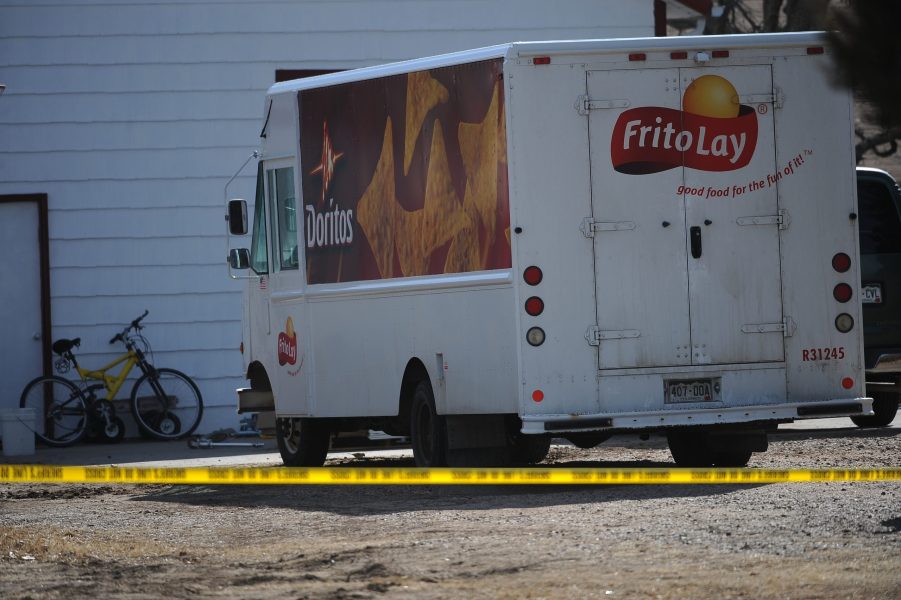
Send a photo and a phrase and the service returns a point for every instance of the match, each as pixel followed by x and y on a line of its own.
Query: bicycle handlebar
pixel 135 324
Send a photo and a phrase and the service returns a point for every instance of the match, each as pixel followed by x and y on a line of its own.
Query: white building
pixel 122 121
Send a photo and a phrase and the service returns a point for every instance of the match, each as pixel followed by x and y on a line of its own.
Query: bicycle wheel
pixel 60 408
pixel 166 404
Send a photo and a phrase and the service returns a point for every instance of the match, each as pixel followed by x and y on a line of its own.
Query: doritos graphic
pixel 712 132
pixel 287 344
pixel 406 175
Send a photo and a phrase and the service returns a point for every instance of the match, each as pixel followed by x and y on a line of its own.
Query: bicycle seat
pixel 63 346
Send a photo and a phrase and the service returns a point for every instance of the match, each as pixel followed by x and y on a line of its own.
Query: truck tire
pixel 732 458
pixel 302 442
pixel 690 449
pixel 529 449
pixel 428 432
pixel 885 407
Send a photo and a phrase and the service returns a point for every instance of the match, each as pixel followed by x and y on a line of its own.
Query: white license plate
pixel 689 391
pixel 871 293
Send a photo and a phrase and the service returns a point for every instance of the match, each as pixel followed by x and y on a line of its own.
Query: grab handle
pixel 695 235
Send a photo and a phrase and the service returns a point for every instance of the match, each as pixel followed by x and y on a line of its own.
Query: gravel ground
pixel 818 540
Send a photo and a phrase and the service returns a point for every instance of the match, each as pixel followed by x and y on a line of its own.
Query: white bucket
pixel 17 425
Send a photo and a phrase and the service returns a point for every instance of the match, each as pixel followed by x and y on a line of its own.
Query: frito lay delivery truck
pixel 488 249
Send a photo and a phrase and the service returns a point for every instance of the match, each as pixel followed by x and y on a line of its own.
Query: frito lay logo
pixel 287 344
pixel 713 132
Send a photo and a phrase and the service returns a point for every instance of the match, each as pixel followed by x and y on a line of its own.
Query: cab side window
pixel 880 225
pixel 284 218
pixel 259 248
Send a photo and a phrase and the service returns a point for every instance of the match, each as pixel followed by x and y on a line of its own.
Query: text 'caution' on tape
pixel 418 476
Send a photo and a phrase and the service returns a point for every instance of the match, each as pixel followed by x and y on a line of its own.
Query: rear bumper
pixel 845 407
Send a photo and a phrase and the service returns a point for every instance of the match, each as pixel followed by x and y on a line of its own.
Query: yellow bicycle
pixel 165 403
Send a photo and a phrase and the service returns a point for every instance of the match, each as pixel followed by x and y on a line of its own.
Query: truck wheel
pixel 428 432
pixel 732 458
pixel 302 442
pixel 885 407
pixel 529 449
pixel 690 449
pixel 587 440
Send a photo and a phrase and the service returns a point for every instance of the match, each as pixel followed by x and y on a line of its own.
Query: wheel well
pixel 259 379
pixel 413 374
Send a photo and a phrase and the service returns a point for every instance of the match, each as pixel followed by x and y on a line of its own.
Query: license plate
pixel 871 293
pixel 678 392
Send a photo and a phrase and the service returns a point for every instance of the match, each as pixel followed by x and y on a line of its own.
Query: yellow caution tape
pixel 418 476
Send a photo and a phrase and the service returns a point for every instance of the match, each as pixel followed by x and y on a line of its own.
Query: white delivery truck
pixel 487 249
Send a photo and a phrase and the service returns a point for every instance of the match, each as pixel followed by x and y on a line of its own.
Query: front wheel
pixel 166 404
pixel 885 407
pixel 60 408
pixel 428 432
pixel 302 442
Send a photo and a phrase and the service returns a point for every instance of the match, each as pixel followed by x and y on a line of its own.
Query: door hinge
pixel 781 219
pixel 589 226
pixel 584 104
pixel 787 327
pixel 595 335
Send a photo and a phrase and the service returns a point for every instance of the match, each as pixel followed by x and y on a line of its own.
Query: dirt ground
pixel 823 540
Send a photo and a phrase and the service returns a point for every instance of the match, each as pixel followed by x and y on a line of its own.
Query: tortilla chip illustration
pixel 423 94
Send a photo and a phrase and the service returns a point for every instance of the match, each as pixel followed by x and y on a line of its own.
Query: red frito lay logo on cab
pixel 287 344
pixel 712 132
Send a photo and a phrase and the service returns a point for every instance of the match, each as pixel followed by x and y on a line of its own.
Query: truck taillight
pixel 534 306
pixel 847 383
pixel 844 322
pixel 532 275
pixel 842 292
pixel 841 262
pixel 535 336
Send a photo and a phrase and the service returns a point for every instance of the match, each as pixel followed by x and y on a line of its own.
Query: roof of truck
pixel 559 47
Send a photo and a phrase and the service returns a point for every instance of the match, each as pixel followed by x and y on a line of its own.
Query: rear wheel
pixel 302 442
pixel 60 408
pixel 166 404
pixel 529 449
pixel 690 449
pixel 885 407
pixel 428 431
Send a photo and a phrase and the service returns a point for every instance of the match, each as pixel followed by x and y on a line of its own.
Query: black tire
pixel 885 407
pixel 60 408
pixel 166 404
pixel 732 458
pixel 587 440
pixel 529 449
pixel 302 442
pixel 690 449
pixel 428 431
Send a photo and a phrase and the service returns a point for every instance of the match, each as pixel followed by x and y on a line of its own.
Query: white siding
pixel 132 115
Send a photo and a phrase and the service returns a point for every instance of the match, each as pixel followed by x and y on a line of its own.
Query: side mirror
pixel 239 259
pixel 237 217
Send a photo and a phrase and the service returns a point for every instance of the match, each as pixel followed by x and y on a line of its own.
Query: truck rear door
pixel 685 219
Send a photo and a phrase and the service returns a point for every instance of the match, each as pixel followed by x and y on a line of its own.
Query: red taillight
pixel 541 60
pixel 534 306
pixel 720 54
pixel 678 55
pixel 638 56
pixel 537 395
pixel 815 50
pixel 847 383
pixel 841 262
pixel 532 275
pixel 241 347
pixel 842 292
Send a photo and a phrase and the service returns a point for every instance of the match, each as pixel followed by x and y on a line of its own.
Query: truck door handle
pixel 695 234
